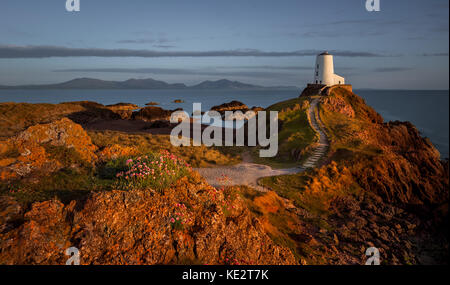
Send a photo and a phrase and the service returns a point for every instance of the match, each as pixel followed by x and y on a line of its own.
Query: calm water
pixel 428 110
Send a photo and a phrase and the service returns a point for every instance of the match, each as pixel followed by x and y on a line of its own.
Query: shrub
pixel 152 171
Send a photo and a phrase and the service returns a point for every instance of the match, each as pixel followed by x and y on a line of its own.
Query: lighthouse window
pixel 317 73
pixel 317 66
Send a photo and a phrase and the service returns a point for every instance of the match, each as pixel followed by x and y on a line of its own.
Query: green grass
pixel 76 179
pixel 294 136
pixel 67 184
pixel 67 156
pixel 287 186
pixel 291 187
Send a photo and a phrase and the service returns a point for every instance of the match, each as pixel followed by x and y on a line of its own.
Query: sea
pixel 428 110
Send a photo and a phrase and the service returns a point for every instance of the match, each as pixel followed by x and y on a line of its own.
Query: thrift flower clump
pixel 152 171
pixel 181 216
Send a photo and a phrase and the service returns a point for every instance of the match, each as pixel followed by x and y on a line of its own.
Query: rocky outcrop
pixel 231 106
pixel 124 110
pixel 401 167
pixel 26 152
pixel 339 105
pixel 190 223
pixel 385 187
pixel 382 185
pixel 235 106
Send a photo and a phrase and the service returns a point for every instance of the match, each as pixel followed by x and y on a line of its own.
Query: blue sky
pixel 404 46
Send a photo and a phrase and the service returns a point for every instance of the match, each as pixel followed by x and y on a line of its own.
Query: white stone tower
pixel 324 71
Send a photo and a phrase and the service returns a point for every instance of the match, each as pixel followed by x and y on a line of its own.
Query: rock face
pixel 403 166
pixel 124 110
pixel 191 223
pixel 30 147
pixel 339 105
pixel 385 187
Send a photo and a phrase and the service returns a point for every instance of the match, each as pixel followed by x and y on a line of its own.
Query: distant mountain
pixel 91 83
pixel 224 84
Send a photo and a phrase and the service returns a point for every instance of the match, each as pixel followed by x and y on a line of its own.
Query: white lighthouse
pixel 324 71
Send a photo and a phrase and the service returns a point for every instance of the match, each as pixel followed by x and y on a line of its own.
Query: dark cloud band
pixel 8 51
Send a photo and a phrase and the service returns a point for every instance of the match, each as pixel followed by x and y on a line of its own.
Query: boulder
pixel 26 152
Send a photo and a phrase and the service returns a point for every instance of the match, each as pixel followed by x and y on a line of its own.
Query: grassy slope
pixel 295 134
pixel 342 129
pixel 343 143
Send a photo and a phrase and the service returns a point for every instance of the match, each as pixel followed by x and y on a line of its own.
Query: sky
pixel 270 43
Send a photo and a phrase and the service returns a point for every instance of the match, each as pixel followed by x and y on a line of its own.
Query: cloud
pixel 265 67
pixel 144 41
pixel 9 51
pixel 392 69
pixel 138 41
pixel 163 46
pixel 276 67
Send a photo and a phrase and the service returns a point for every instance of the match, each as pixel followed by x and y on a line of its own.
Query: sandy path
pixel 244 173
pixel 248 173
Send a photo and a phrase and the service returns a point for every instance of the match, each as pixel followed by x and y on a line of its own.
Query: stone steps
pixel 323 144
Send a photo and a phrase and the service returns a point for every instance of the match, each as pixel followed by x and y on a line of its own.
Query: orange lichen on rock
pixel 63 132
pixel 115 151
pixel 44 233
pixel 338 104
pixel 135 227
pixel 31 153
